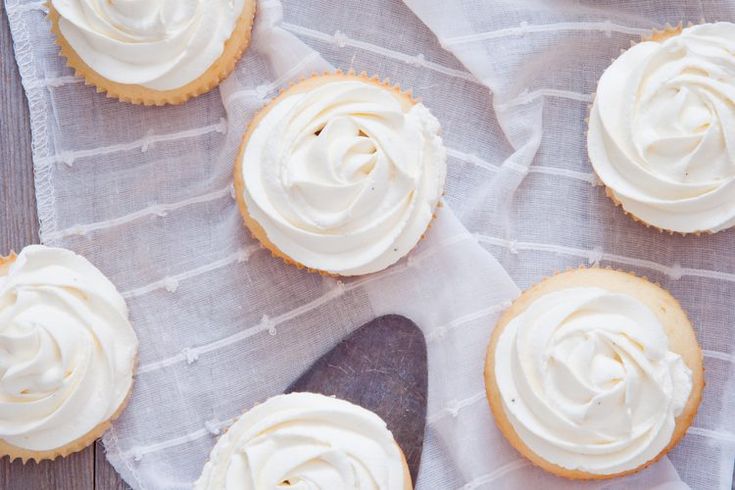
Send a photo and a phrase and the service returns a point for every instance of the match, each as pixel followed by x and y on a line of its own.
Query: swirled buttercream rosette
pixel 152 52
pixel 306 441
pixel 341 174
pixel 594 373
pixel 67 353
pixel 661 126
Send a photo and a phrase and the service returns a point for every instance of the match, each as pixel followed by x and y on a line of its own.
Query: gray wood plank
pixel 18 223
pixel 75 472
pixel 105 476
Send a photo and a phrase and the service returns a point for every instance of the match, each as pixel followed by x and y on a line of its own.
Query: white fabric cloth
pixel 145 194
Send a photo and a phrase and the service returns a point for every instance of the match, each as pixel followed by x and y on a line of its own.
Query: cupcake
pixel 152 52
pixel 661 129
pixel 306 440
pixel 341 174
pixel 594 373
pixel 67 353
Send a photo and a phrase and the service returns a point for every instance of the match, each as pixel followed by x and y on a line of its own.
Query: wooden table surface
pixel 19 227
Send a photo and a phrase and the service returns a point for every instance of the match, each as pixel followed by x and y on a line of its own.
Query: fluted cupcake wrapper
pixel 301 85
pixel 657 35
pixel 408 484
pixel 140 95
pixel 669 308
pixel 26 455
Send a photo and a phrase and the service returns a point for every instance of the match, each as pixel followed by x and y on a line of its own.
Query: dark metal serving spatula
pixel 382 367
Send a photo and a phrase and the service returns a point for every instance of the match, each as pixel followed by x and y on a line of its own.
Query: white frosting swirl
pixel 662 129
pixel 588 382
pixel 344 178
pixel 159 44
pixel 66 349
pixel 305 441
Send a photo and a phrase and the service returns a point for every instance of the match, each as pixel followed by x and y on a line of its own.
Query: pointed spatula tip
pixel 381 366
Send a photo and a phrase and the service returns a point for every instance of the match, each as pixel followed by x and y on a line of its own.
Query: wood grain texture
pixel 75 472
pixel 18 223
pixel 382 366
pixel 105 476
